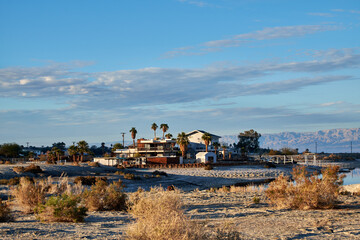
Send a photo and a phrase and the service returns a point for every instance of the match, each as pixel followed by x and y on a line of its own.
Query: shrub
pixel 160 173
pixel 88 180
pixel 63 208
pixel 7 162
pixel 256 200
pixel 131 176
pixel 208 167
pixel 307 192
pixel 5 214
pixel 32 168
pixel 18 169
pixel 105 198
pixel 94 164
pixel 159 216
pixel 29 194
pixel 170 188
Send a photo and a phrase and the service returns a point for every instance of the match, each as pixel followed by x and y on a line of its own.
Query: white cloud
pixel 260 35
pixel 156 86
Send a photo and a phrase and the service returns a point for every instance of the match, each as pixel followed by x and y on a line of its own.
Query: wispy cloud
pixel 196 3
pixel 156 86
pixel 260 35
pixel 321 14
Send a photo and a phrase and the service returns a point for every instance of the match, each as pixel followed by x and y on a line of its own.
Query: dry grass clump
pixel 102 197
pixel 159 216
pixel 63 208
pixel 32 168
pixel 18 169
pixel 28 194
pixel 94 164
pixel 208 167
pixel 307 192
pixel 5 214
pixel 88 180
pixel 131 176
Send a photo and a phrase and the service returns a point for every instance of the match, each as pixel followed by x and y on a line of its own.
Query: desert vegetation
pixel 61 208
pixel 104 197
pixel 159 215
pixel 306 192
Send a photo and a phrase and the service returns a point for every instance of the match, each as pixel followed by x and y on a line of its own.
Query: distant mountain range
pixel 334 140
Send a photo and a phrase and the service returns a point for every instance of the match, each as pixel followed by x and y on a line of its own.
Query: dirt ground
pixel 234 211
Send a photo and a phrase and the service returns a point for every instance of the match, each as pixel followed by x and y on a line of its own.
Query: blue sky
pixel 86 69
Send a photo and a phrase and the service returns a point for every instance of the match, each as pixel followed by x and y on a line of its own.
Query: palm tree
pixel 103 148
pixel 169 136
pixel 154 126
pixel 216 146
pixel 224 148
pixel 58 152
pixel 207 138
pixel 133 134
pixel 164 127
pixel 73 150
pixel 83 147
pixel 183 141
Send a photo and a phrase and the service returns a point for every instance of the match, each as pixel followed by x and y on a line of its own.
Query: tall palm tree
pixel 183 141
pixel 73 150
pixel 164 127
pixel 216 146
pixel 207 138
pixel 154 126
pixel 133 134
pixel 168 135
pixel 103 148
pixel 83 147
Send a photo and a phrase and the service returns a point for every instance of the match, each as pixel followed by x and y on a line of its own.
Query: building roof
pixel 201 131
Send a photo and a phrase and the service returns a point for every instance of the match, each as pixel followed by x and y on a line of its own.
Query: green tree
pixel 288 151
pixel 60 145
pixel 207 139
pixel 117 146
pixel 10 150
pixel 183 141
pixel 248 141
pixel 133 134
pixel 154 126
pixel 83 147
pixel 164 127
pixel 168 135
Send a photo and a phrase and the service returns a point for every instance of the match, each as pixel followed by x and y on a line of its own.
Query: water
pixel 352 177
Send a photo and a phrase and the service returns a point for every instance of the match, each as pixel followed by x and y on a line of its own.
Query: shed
pixel 206 157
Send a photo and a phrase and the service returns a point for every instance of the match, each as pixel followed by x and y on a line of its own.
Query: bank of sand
pixel 212 209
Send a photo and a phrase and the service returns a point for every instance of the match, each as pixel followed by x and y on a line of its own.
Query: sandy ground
pixel 212 209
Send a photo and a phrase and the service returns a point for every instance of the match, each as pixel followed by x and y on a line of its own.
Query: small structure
pixel 107 161
pixel 206 157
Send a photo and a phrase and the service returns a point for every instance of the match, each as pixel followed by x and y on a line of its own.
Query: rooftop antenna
pixel 123 135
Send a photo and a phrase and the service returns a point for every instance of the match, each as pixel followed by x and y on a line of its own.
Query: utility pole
pixel 123 135
pixel 315 147
pixel 27 144
pixel 351 147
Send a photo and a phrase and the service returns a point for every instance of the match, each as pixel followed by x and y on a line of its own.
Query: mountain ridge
pixel 330 140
